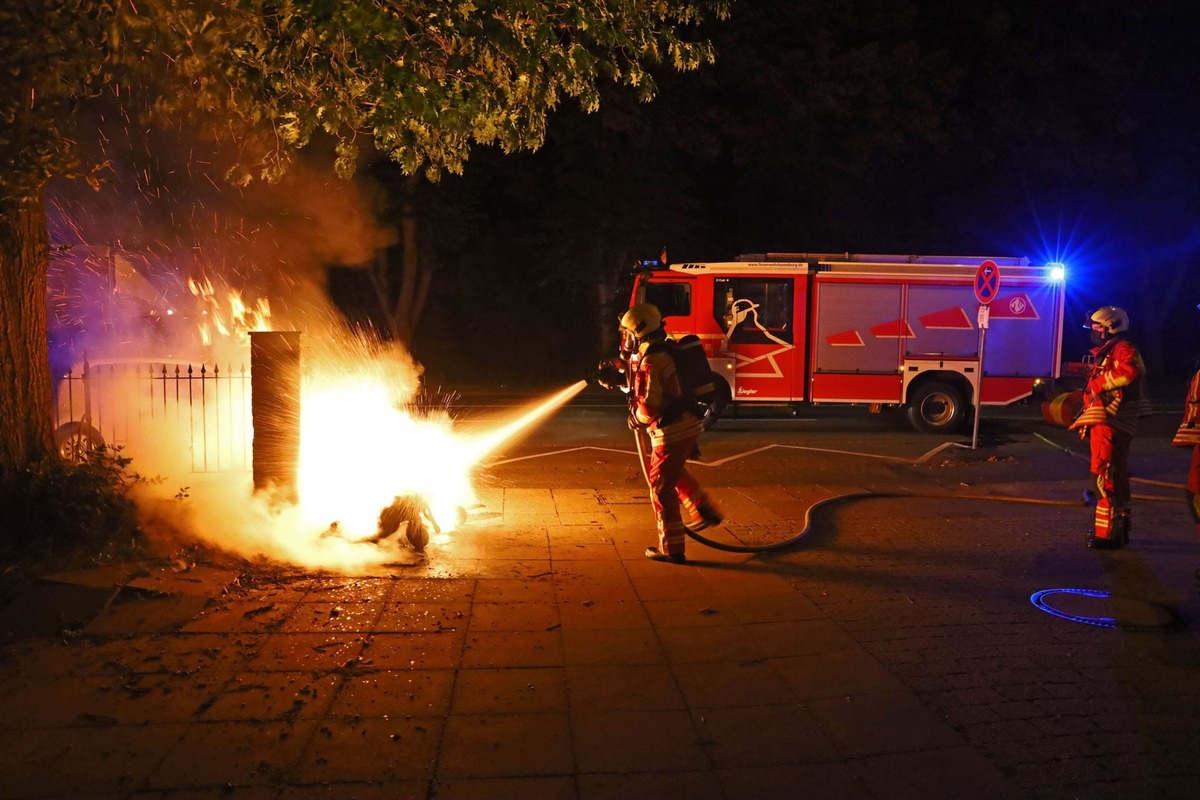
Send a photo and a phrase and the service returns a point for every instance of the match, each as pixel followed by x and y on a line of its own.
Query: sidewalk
pixel 539 655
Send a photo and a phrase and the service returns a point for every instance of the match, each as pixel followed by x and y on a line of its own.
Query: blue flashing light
pixel 1058 271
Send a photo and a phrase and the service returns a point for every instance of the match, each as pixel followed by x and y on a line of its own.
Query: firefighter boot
pixel 706 517
pixel 654 554
pixel 1121 526
pixel 1100 536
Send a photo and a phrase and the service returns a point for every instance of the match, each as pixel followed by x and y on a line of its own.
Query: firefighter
pixel 1112 402
pixel 659 408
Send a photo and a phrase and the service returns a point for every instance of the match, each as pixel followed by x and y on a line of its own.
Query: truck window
pixel 754 310
pixel 672 299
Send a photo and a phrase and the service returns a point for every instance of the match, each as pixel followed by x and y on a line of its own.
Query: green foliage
pixel 421 81
pixel 54 509
pixel 52 57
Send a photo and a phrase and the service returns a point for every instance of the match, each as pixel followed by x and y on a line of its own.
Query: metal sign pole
pixel 987 286
pixel 984 315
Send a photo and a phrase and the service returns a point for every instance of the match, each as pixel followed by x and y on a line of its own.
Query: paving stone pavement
pixel 893 654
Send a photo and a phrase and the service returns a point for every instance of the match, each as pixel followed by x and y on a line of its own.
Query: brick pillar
pixel 275 410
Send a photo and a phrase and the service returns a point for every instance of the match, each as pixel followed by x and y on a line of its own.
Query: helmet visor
pixel 629 342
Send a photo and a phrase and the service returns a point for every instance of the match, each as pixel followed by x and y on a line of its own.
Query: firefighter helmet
pixel 641 320
pixel 1111 319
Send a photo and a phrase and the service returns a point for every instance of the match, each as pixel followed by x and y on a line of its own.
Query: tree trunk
pixel 402 296
pixel 414 278
pixel 26 430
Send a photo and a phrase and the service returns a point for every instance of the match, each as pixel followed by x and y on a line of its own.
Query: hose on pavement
pixel 795 539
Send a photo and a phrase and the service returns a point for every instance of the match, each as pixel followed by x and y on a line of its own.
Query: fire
pixel 359 449
pixel 237 319
pixel 365 446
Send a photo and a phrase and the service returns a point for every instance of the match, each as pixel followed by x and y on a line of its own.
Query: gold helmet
pixel 1109 319
pixel 637 324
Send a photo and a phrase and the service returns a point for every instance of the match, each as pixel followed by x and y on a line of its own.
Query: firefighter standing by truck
pixel 1112 402
pixel 663 410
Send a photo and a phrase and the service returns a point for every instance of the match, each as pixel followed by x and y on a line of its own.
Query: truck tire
pixel 936 407
pixel 77 441
pixel 719 403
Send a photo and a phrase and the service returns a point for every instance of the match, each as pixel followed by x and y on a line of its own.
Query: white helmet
pixel 1113 320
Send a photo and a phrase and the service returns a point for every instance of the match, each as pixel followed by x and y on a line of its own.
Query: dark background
pixel 1059 131
pixel 1056 131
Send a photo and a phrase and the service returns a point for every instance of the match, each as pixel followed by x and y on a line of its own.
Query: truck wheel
pixel 719 403
pixel 77 441
pixel 936 407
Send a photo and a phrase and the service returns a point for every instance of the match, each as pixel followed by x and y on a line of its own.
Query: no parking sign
pixel 987 286
pixel 987 282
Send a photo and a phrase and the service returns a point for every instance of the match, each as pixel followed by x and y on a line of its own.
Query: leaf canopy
pixel 422 81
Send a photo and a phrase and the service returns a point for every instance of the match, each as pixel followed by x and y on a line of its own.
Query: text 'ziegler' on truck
pixel 875 330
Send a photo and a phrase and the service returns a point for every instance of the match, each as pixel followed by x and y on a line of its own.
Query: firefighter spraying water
pixel 664 381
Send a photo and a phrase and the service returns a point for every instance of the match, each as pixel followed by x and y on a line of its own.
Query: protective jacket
pixel 1115 394
pixel 654 390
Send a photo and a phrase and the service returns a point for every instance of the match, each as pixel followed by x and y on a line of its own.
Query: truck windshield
pixel 672 299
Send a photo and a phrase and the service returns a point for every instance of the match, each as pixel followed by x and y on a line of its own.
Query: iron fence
pixel 145 406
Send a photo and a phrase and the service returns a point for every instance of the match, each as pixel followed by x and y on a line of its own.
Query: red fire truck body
pixel 878 330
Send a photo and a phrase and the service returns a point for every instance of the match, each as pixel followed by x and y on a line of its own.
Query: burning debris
pixel 414 512
pixel 409 510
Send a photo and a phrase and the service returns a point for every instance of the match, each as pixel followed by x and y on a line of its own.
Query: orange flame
pixel 362 445
pixel 237 320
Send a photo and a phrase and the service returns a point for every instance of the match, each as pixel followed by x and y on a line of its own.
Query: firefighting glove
pixel 610 376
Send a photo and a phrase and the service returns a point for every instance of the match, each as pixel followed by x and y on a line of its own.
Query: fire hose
pixel 792 541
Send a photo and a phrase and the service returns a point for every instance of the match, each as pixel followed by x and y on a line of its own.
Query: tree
pixel 422 82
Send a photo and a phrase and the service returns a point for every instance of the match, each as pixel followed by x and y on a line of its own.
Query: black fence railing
pixel 164 412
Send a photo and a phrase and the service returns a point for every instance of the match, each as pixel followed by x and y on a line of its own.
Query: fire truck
pixel 880 331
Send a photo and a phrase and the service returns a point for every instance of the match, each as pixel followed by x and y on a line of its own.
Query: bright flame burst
pixel 360 449
pixel 236 317
pixel 363 444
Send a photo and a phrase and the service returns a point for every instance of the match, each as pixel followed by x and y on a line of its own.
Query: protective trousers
pixel 1110 465
pixel 670 484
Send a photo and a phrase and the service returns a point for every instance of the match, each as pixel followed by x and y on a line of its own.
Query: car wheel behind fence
pixel 77 441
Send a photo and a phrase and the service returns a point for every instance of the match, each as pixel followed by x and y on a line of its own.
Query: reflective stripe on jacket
pixel 1117 384
pixel 655 387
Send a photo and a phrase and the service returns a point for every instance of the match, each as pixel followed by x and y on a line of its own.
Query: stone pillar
pixel 275 410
